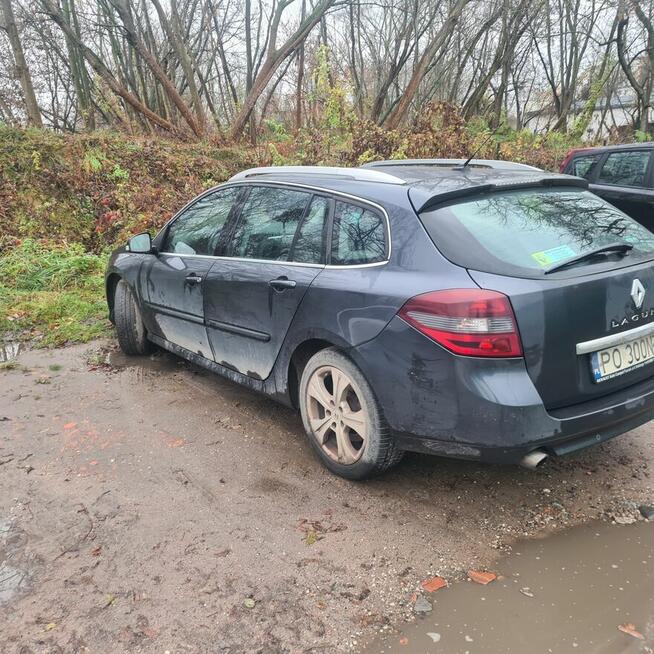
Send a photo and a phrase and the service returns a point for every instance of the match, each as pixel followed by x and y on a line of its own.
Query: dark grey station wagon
pixel 482 310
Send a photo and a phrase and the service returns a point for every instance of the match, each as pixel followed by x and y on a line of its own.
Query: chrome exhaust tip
pixel 534 459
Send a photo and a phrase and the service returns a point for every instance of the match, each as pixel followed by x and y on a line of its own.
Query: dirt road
pixel 148 506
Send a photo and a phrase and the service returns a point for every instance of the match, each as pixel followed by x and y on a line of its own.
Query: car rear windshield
pixel 525 232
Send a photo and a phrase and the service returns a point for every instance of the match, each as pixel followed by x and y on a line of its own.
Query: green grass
pixel 52 295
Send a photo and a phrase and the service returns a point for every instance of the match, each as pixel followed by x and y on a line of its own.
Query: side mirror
pixel 141 243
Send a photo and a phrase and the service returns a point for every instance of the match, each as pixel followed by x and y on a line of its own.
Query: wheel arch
pixel 298 360
pixel 110 290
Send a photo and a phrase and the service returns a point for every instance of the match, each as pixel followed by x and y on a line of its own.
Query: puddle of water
pixel 583 584
pixel 9 351
pixel 12 579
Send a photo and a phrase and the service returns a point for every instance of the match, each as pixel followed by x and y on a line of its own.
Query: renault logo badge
pixel 637 293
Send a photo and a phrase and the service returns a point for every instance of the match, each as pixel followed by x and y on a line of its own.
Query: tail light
pixel 471 322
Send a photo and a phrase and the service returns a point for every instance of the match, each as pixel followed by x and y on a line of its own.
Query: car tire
pixel 131 332
pixel 336 401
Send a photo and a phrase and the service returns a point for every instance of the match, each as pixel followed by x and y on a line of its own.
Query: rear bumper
pixel 484 409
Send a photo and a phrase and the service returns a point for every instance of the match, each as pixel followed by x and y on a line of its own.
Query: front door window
pixel 198 229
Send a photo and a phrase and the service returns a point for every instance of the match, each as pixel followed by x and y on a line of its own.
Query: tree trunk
pixel 22 71
pixel 402 108
pixel 134 40
pixel 300 76
pixel 173 30
pixel 275 56
pixel 98 66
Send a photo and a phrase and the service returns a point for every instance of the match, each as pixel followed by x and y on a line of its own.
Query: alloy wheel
pixel 336 415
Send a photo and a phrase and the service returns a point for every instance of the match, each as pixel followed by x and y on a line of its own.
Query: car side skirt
pixel 267 386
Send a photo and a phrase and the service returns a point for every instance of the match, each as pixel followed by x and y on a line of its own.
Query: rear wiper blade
pixel 611 248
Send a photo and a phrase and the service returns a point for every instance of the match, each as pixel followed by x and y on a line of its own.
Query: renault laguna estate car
pixel 480 310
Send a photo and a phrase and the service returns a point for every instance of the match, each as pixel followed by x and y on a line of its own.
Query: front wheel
pixel 130 329
pixel 342 418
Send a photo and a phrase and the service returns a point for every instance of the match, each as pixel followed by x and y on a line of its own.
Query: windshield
pixel 528 231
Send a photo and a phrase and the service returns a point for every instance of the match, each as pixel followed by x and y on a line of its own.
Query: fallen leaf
pixel 70 425
pixel 631 630
pixel 176 443
pixel 317 526
pixel 434 584
pixel 404 640
pixel 311 538
pixel 96 551
pixel 481 577
pixel 50 626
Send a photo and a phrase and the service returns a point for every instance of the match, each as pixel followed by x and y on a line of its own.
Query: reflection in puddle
pixel 566 593
pixel 12 579
pixel 9 351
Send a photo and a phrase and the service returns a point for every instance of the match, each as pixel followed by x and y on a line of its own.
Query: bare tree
pixel 639 66
pixel 22 71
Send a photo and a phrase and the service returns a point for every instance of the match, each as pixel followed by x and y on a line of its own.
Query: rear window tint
pixel 522 233
pixel 625 168
pixel 359 235
pixel 583 166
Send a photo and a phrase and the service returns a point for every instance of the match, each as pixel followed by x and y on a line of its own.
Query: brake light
pixel 466 321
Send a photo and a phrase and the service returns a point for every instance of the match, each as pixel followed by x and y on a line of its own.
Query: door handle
pixel 282 283
pixel 193 279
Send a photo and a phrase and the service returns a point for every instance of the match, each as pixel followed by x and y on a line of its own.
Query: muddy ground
pixel 148 506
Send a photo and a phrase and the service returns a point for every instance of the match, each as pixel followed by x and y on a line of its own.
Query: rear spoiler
pixel 422 203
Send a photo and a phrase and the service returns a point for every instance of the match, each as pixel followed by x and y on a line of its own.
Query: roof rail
pixel 479 163
pixel 357 174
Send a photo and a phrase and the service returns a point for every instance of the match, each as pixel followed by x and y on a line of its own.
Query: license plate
pixel 614 361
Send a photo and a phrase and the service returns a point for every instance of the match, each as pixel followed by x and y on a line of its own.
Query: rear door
pixel 624 178
pixel 276 250
pixel 510 242
pixel 176 276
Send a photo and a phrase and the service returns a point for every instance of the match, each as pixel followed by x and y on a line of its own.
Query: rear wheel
pixel 130 329
pixel 342 418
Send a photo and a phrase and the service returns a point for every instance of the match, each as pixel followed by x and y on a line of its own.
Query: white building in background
pixel 614 117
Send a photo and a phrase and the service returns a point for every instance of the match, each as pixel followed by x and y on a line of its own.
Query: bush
pixel 52 294
pixel 96 189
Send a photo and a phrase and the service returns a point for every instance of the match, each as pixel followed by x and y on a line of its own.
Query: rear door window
pixel 523 233
pixel 309 240
pixel 267 224
pixel 198 229
pixel 627 168
pixel 583 166
pixel 358 235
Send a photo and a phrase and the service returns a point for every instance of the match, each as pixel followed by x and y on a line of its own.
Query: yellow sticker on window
pixel 553 255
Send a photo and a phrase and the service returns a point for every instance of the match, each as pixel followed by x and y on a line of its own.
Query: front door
pixel 277 249
pixel 176 276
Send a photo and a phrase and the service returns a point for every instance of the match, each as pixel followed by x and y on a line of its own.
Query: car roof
pixel 648 145
pixel 496 164
pixel 430 184
pixel 421 180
